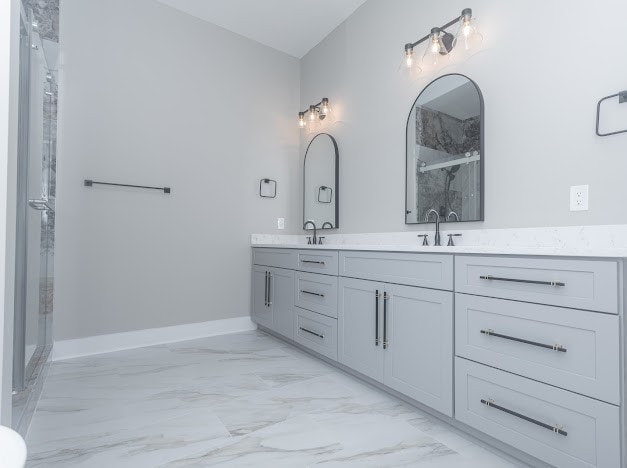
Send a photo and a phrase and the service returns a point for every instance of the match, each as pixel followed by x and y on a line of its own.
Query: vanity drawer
pixel 526 414
pixel 316 332
pixel 280 258
pixel 413 269
pixel 317 261
pixel 317 293
pixel 580 284
pixel 518 336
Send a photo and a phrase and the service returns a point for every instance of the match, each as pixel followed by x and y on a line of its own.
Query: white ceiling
pixel 291 26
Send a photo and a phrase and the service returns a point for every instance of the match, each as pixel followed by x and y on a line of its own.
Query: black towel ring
pixel 622 98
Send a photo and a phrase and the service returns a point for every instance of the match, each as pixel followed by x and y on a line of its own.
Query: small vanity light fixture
pixel 315 113
pixel 441 43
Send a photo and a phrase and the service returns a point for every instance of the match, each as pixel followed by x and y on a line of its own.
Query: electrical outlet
pixel 280 223
pixel 579 198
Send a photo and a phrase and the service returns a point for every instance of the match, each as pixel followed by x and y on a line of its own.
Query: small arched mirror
pixel 321 183
pixel 445 158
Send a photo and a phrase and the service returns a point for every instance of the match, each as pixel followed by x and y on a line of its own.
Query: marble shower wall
pixel 49 178
pixel 456 188
pixel 443 132
pixel 47 15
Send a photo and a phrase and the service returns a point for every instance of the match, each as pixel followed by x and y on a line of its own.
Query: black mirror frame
pixel 482 153
pixel 337 182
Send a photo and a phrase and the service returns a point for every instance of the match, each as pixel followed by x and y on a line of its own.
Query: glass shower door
pixel 35 221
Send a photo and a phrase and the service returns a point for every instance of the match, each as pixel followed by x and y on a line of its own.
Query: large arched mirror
pixel 445 157
pixel 321 183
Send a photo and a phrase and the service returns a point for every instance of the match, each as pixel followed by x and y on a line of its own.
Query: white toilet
pixel 12 449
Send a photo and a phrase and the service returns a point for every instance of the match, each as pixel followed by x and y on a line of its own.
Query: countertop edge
pixel 616 253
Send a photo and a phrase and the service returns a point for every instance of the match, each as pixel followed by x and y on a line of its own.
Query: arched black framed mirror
pixel 321 183
pixel 445 152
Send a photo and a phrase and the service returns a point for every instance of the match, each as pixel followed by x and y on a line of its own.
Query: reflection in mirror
pixel 445 152
pixel 321 183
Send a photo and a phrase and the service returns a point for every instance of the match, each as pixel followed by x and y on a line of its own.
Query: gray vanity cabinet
pixel 273 299
pixel 282 300
pixel 261 311
pixel 360 318
pixel 529 350
pixel 559 427
pixel 401 336
pixel 578 284
pixel 419 351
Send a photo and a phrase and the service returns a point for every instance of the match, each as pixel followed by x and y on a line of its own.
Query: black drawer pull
pixel 312 261
pixel 265 299
pixel 555 429
pixel 269 289
pixel 385 320
pixel 514 280
pixel 312 333
pixel 376 317
pixel 312 293
pixel 555 347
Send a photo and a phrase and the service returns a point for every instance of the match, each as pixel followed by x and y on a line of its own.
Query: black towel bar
pixel 90 183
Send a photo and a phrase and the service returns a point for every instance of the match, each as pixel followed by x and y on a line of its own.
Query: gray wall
pixel 9 85
pixel 149 95
pixel 541 72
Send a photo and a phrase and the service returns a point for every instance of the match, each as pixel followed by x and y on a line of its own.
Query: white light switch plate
pixel 280 223
pixel 579 198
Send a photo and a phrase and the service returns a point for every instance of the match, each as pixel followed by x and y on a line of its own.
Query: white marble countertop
pixel 463 249
pixel 603 241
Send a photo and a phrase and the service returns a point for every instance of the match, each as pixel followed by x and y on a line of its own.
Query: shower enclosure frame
pixel 35 213
pixel 19 324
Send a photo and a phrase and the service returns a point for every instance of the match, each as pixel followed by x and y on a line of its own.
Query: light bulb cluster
pixel 442 44
pixel 314 114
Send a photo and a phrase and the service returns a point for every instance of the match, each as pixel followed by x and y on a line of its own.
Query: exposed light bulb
pixel 313 113
pixel 466 29
pixel 324 108
pixel 301 120
pixel 409 65
pixel 409 57
pixel 435 45
pixel 435 53
pixel 468 39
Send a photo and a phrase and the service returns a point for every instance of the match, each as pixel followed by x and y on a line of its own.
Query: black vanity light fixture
pixel 441 43
pixel 314 113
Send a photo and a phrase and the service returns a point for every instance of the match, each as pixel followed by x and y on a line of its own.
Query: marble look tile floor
pixel 236 400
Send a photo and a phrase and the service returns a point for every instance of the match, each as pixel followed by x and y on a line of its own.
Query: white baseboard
pixel 100 344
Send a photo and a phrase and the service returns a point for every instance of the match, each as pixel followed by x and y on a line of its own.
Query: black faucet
pixel 315 237
pixel 437 224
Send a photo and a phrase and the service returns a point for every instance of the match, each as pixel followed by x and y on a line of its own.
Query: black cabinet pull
pixel 555 429
pixel 385 320
pixel 312 333
pixel 269 289
pixel 555 347
pixel 312 261
pixel 376 318
pixel 514 280
pixel 312 293
pixel 265 291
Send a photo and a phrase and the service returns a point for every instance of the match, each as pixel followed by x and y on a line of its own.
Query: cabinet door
pixel 419 354
pixel 360 344
pixel 282 300
pixel 262 310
